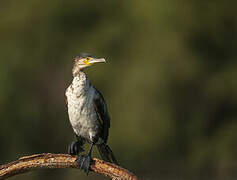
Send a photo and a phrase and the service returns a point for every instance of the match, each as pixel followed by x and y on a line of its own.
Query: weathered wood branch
pixel 48 160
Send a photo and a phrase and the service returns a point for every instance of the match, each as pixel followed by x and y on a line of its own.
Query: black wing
pixel 103 114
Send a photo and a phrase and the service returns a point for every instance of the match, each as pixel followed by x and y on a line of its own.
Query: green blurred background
pixel 170 82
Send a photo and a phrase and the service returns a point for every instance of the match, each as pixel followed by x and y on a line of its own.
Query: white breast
pixel 83 118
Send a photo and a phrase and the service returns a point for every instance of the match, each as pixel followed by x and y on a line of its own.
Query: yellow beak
pixel 94 61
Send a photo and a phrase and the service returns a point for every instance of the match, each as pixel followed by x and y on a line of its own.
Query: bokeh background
pixel 170 83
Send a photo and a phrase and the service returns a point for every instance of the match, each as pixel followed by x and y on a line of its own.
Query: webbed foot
pixel 75 148
pixel 84 162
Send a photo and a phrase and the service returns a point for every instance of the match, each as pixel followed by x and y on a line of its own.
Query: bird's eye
pixel 86 61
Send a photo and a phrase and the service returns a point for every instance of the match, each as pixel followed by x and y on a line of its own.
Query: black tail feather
pixel 106 153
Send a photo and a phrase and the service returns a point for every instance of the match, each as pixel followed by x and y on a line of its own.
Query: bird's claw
pixel 75 148
pixel 84 162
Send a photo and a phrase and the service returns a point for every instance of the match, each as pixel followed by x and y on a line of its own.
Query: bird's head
pixel 84 60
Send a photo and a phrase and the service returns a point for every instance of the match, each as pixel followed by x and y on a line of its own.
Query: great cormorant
pixel 88 114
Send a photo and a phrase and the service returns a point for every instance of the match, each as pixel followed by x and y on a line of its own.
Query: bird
pixel 88 114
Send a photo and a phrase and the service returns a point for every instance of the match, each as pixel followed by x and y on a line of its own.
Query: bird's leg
pixel 84 161
pixel 75 148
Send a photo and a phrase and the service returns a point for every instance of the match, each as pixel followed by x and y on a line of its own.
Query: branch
pixel 48 160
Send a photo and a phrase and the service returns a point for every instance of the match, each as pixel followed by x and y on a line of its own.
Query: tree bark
pixel 48 160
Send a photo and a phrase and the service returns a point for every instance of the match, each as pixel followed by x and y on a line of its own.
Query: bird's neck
pixel 80 82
